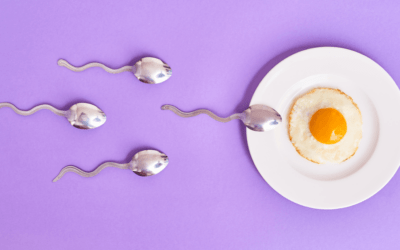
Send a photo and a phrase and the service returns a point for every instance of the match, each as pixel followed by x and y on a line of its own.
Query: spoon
pixel 257 117
pixel 143 163
pixel 148 69
pixel 80 115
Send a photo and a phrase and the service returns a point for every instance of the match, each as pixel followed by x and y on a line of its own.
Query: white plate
pixel 329 186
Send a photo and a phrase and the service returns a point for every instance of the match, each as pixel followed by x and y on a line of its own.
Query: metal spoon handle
pixel 92 173
pixel 33 110
pixel 64 63
pixel 198 112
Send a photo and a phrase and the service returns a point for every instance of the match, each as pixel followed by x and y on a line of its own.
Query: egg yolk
pixel 328 126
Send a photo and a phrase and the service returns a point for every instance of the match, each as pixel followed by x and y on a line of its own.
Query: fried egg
pixel 325 126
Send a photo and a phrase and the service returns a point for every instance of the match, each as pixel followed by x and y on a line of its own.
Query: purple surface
pixel 211 195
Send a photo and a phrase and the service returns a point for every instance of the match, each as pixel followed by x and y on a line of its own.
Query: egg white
pixel 299 131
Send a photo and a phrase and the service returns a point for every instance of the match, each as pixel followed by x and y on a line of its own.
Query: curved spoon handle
pixel 64 63
pixel 198 112
pixel 92 173
pixel 33 110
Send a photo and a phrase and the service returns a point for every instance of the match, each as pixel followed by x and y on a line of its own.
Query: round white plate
pixel 329 186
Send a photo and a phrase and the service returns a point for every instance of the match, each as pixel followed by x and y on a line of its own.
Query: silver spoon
pixel 143 163
pixel 148 69
pixel 80 115
pixel 257 117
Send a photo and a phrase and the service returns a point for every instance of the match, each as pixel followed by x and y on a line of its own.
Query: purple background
pixel 210 196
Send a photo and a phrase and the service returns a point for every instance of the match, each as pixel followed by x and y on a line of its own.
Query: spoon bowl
pixel 151 70
pixel 85 116
pixel 261 118
pixel 148 162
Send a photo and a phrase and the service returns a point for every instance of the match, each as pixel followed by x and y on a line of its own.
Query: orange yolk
pixel 328 126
